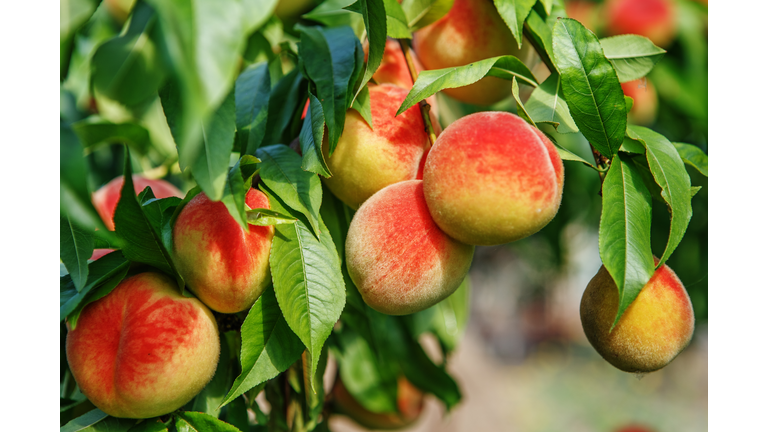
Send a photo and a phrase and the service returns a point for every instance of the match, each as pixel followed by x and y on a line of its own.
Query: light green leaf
pixel 397 23
pixel 421 13
pixel 547 105
pixel 520 108
pixel 693 156
pixel 514 12
pixel 267 217
pixel 632 56
pixel 211 167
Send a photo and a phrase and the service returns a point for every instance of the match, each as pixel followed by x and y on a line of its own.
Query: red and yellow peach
pixel 654 19
pixel 106 198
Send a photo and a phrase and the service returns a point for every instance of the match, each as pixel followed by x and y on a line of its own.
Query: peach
pixel 106 198
pixel 646 102
pixel 400 261
pixel 367 160
pixel 410 403
pixel 654 19
pixel 143 350
pixel 226 267
pixel 653 330
pixel 471 31
pixel 491 178
pixel 584 11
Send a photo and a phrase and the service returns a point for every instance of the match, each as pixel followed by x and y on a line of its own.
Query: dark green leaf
pixel 94 130
pixel 267 217
pixel 99 272
pixel 160 214
pixel 308 282
pixel 98 421
pixel 430 82
pixel 84 421
pixel 211 167
pixel 538 29
pixel 426 375
pixel 421 13
pixel 632 56
pixel 75 248
pixel 694 157
pixel 547 105
pixel 514 12
pixel 252 91
pixel 150 425
pixel 669 172
pixel 238 184
pixel 269 346
pixel 311 139
pixel 188 421
pixel 283 108
pixel 375 19
pixel 397 23
pixel 520 108
pixel 625 231
pixel 590 86
pixel 281 172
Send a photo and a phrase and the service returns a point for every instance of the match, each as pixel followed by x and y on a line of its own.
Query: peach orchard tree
pixel 221 96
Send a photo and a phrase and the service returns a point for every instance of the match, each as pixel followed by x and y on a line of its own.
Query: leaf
pixel 84 421
pixel 101 290
pixel 252 91
pixel 281 172
pixel 308 282
pixel 539 32
pixel 547 105
pixel 269 347
pixel 625 231
pixel 127 68
pixel 693 156
pixel 397 23
pixel 283 108
pixel 669 172
pixel 238 184
pixel 267 217
pixel 632 56
pixel 188 421
pixel 421 13
pixel 430 82
pixel 311 139
pixel 99 272
pixel 514 12
pixel 328 56
pixel 695 190
pixel 632 145
pixel 150 425
pixel 362 105
pixel 451 317
pixel 73 14
pixel 94 131
pixel 98 421
pixel 256 13
pixel 566 154
pixel 590 86
pixel 375 18
pixel 520 108
pixel 211 167
pixel 75 248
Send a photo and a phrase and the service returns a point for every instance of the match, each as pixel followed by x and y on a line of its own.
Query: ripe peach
pixel 646 102
pixel 654 19
pixel 144 350
pixel 471 31
pixel 651 332
pixel 410 403
pixel 105 199
pixel 491 178
pixel 226 267
pixel 400 261
pixel 584 11
pixel 366 160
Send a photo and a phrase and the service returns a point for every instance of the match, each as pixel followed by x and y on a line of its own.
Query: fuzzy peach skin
pixel 410 403
pixel 646 101
pixel 367 160
pixel 653 330
pixel 654 19
pixel 144 350
pixel 471 31
pixel 106 198
pixel 226 267
pixel 400 261
pixel 491 178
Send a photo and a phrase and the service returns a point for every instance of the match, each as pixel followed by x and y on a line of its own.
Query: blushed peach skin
pixel 491 178
pixel 398 258
pixel 410 403
pixel 144 350
pixel 470 32
pixel 226 267
pixel 653 330
pixel 367 160
pixel 654 19
pixel 106 198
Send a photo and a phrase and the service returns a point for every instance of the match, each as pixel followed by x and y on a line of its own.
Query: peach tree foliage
pixel 230 83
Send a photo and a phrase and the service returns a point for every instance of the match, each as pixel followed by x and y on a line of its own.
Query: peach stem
pixel 423 105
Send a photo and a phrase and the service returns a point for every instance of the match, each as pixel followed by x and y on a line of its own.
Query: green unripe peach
pixel 491 178
pixel 400 261
pixel 143 350
pixel 653 330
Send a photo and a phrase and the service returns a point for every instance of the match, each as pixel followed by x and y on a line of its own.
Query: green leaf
pixel 252 91
pixel 566 154
pixel 211 167
pixel 283 108
pixel 238 184
pixel 632 145
pixel 430 82
pixel 695 190
pixel 308 282
pixel 301 190
pixel 267 217
pixel 421 13
pixel 269 346
pixel 188 421
pixel 397 23
pixel 520 108
pixel 539 32
pixel 362 105
pixel 632 56
pixel 451 317
pixel 547 105
pixel 625 231
pixel 98 421
pixel 334 13
pixel 127 68
pixel 75 248
pixel 84 421
pixel 99 272
pixel 329 60
pixel 547 5
pixel 256 13
pixel 73 14
pixel 514 12
pixel 693 156
pixel 160 213
pixel 311 139
pixel 101 290
pixel 94 131
pixel 669 172
pixel 590 86
pixel 375 18
pixel 150 425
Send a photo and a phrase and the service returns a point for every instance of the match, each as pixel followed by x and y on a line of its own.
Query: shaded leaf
pixel 252 91
pixel 211 167
pixel 375 19
pixel 693 156
pixel 75 248
pixel 94 130
pixel 188 421
pixel 547 105
pixel 238 184
pixel 311 139
pixel 632 56
pixel 520 108
pixel 514 12
pixel 99 272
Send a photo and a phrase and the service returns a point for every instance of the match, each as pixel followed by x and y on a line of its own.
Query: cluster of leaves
pixel 216 90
